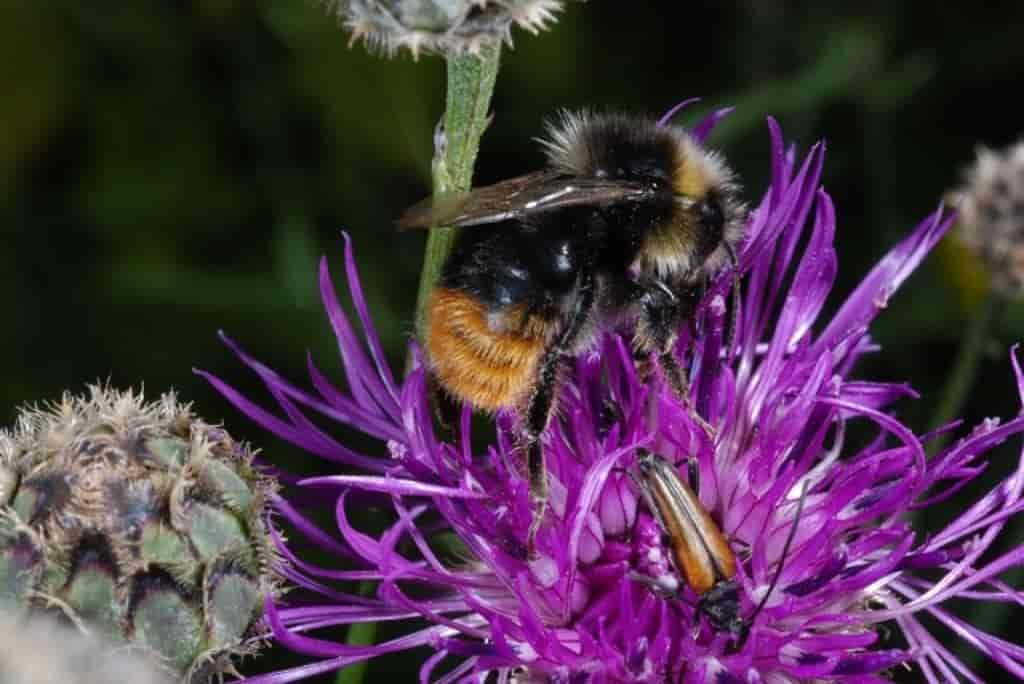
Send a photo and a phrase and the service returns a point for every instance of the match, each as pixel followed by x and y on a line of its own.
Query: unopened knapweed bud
pixel 449 27
pixel 42 651
pixel 139 523
pixel 991 220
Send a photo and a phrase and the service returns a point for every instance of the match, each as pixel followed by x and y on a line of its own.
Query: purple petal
pixel 675 109
pixel 392 486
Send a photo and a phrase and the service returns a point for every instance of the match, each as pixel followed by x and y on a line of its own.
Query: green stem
pixel 359 634
pixel 470 85
pixel 961 380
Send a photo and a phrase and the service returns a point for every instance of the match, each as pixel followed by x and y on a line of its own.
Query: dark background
pixel 168 169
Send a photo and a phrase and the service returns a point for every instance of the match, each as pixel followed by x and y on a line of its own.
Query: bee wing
pixel 533 193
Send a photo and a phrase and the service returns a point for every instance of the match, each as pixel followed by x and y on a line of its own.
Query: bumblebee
pixel 626 223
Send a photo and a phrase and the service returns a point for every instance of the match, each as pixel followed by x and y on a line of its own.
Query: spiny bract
pixel 140 523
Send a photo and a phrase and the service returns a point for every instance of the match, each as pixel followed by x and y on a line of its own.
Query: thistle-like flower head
pixel 991 215
pixel 139 523
pixel 592 607
pixel 449 27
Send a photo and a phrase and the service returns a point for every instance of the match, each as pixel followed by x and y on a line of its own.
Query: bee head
pixel 707 218
pixel 710 217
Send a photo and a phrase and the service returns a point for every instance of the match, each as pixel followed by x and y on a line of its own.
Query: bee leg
pixel 446 411
pixel 642 362
pixel 688 304
pixel 663 310
pixel 679 381
pixel 538 411
pixel 538 493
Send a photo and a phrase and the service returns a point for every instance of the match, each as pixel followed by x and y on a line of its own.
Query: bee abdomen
pixel 476 364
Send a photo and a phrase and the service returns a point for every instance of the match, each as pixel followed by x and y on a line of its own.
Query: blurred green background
pixel 168 169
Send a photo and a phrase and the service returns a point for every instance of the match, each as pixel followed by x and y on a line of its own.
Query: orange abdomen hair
pixel 475 364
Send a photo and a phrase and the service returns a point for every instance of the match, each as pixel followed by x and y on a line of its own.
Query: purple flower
pixel 781 399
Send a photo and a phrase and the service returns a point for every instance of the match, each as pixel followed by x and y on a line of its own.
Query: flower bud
pixel 991 220
pixel 449 27
pixel 139 523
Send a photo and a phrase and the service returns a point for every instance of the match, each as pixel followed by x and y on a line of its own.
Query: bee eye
pixel 712 216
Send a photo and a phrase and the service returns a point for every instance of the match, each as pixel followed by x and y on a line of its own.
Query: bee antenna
pixel 734 319
pixel 782 559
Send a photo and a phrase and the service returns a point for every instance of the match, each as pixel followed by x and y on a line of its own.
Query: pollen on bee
pixel 476 360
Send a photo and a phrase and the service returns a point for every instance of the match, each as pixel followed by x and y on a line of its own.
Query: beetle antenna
pixel 782 560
